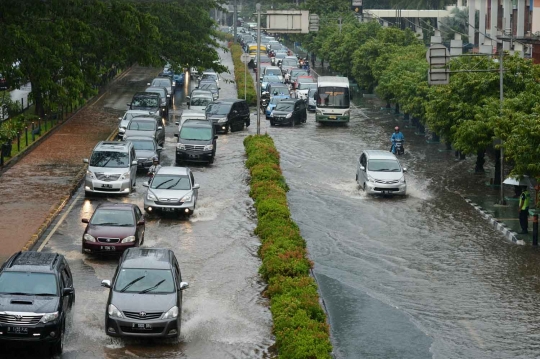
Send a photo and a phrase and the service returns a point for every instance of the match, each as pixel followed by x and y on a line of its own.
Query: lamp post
pixel 258 87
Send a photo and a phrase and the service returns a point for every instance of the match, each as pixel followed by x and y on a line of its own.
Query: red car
pixel 302 79
pixel 113 228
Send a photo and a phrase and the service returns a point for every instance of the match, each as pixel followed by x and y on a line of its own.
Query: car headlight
pixel 174 83
pixel 186 198
pixel 114 312
pixel 370 179
pixel 128 239
pixel 49 317
pixel 289 115
pixel 180 146
pixel 89 238
pixel 90 174
pixel 171 313
pixel 319 112
pixel 208 148
pixel 125 176
pixel 222 120
pixel 121 130
pixel 272 114
pixel 347 113
pixel 402 180
pixel 150 196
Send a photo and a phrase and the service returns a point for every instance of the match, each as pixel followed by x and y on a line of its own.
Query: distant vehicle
pixel 207 75
pixel 289 63
pixel 197 142
pixel 112 168
pixel 379 172
pixel 303 88
pixel 37 295
pixel 199 99
pixel 278 90
pixel 113 228
pixel 145 297
pixel 146 148
pixel 165 82
pixel 273 103
pixel 270 79
pixel 272 71
pixel 124 120
pixel 146 126
pixel 289 112
pixel 172 189
pixel 209 85
pixel 228 114
pixel 163 98
pixel 332 99
pixel 191 115
pixel 146 101
pixel 311 104
pixel 179 80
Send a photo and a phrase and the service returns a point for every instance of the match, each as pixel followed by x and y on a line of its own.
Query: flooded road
pixel 223 314
pixel 418 277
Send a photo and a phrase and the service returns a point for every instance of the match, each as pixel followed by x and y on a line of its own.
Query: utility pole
pixel 235 18
pixel 258 86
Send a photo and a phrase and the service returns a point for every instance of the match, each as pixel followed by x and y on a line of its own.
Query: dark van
pixel 146 101
pixel 228 114
pixel 196 142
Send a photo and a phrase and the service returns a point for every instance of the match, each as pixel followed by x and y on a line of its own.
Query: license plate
pixel 193 156
pixel 108 248
pixel 142 326
pixel 17 330
pixel 385 192
pixel 168 209
pixel 106 186
pixel 332 117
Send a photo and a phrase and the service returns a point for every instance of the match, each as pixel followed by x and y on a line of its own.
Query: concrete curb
pixel 57 208
pixel 501 227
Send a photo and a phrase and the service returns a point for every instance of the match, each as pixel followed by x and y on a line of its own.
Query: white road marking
pixel 58 224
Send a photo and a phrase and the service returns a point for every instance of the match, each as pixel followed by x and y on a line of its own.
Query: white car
pixel 208 75
pixel 199 99
pixel 124 120
pixel 303 89
pixel 190 115
pixel 379 172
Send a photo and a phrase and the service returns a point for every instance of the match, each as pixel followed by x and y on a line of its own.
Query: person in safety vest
pixel 524 200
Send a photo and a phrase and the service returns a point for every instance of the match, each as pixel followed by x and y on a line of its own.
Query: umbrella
pixel 514 181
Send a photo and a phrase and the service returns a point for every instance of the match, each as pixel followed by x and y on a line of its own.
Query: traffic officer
pixel 524 200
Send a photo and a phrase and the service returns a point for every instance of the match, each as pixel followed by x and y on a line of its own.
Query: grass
pixel 239 67
pixel 300 324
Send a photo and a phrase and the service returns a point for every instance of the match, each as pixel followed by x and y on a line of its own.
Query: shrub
pixel 299 321
pixel 239 68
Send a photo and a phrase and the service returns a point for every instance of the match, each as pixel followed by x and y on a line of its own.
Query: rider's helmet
pixel 155 159
pixel 396 128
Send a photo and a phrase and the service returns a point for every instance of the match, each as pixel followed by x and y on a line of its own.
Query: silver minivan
pixel 379 172
pixel 112 168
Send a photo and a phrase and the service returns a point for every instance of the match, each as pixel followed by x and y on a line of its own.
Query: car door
pixel 296 113
pixel 235 114
pixel 64 283
pixel 68 279
pixel 178 278
pixel 160 133
pixel 133 167
pixel 140 227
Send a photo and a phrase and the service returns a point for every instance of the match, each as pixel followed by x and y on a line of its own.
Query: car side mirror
pixel 219 88
pixel 148 84
pixel 134 163
pixel 106 283
pixel 129 104
pixel 141 222
pixel 160 128
pixel 145 184
pixel 215 137
pixel 188 97
pixel 159 148
pixel 176 135
pixel 85 220
pixel 67 291
pixel 183 285
pixel 168 95
pixel 196 87
pixel 404 169
pixel 120 118
pixel 177 123
pixel 85 160
pixel 196 186
pixel 362 168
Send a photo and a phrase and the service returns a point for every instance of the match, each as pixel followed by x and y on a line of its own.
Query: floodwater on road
pixel 224 314
pixel 423 276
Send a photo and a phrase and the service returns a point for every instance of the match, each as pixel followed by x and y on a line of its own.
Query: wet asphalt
pixel 224 314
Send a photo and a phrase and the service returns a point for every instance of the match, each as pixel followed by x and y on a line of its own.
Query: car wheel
pixel 356 177
pixel 211 160
pixel 272 123
pixel 58 346
pixel 226 130
pixel 234 127
pixel 364 187
pixel 248 123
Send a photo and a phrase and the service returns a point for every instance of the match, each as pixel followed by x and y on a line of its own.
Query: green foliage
pixel 299 321
pixel 239 68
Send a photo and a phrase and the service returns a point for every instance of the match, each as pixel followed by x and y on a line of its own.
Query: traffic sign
pixel 245 58
pixel 313 23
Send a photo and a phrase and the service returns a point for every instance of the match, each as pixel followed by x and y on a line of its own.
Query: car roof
pixel 30 261
pixel 162 78
pixel 290 100
pixel 161 89
pixel 151 258
pixel 172 170
pixel 197 123
pixel 380 155
pixel 273 68
pixel 119 146
pixel 140 138
pixel 201 93
pixel 228 101
pixel 116 205
pixel 192 113
pixel 145 118
pixel 146 94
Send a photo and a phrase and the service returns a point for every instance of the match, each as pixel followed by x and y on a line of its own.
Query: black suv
pixel 196 142
pixel 228 114
pixel 289 111
pixel 36 293
pixel 145 297
pixel 146 101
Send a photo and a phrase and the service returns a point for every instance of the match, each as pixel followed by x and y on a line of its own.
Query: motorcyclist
pixel 155 166
pixel 287 77
pixel 397 135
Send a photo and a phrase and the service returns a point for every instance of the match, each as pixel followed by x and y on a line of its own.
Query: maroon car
pixel 114 227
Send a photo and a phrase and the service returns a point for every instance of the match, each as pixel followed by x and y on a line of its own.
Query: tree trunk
pixel 480 160
pixel 448 146
pixel 406 117
pixel 39 102
pixel 397 108
pixel 388 105
pixel 497 178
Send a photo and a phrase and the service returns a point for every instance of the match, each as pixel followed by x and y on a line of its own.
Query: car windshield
pixel 289 62
pixel 158 91
pixel 275 72
pixel 175 182
pixel 280 90
pixel 265 59
pixel 200 101
pixel 218 109
pixel 161 83
pixel 110 159
pixel 384 166
pixel 140 280
pixel 285 107
pixel 281 55
pixel 307 85
pixel 271 79
pixel 112 217
pixel 312 92
pixel 296 73
pixel 275 100
pixel 209 77
pixel 142 125
pixel 143 145
pixel 145 102
pixel 28 283
pixel 208 86
pixel 334 97
pixel 196 133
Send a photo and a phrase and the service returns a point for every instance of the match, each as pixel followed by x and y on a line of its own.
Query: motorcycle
pixel 265 100
pixel 398 148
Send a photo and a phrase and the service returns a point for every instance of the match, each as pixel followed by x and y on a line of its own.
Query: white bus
pixel 332 99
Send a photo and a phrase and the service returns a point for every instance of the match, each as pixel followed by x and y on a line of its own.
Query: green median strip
pixel 299 321
pixel 239 67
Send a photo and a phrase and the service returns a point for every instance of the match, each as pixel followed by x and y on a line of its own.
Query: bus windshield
pixel 333 97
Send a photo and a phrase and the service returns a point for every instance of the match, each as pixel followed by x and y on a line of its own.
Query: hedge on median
pixel 251 94
pixel 299 321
